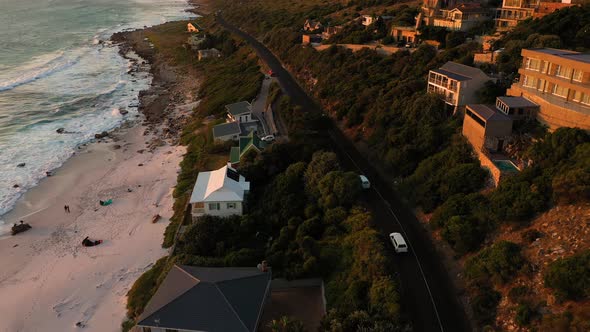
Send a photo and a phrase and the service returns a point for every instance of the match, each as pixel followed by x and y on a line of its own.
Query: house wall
pixel 404 35
pixel 224 211
pixel 537 84
pixel 467 89
pixel 246 117
pixel 474 133
pixel 553 115
pixel 226 138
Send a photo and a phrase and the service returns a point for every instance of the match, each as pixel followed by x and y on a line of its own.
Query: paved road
pixel 427 292
pixel 259 105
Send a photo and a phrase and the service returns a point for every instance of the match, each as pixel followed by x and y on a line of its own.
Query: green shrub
pixel 499 262
pixel 530 235
pixel 570 277
pixel 484 304
pixel 524 314
pixel 519 293
pixel 144 287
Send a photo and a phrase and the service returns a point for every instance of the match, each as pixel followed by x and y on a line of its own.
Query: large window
pixel 533 64
pixel 231 206
pixel 565 72
pixel 560 91
pixel 530 82
pixel 578 75
pixel 586 99
pixel 214 206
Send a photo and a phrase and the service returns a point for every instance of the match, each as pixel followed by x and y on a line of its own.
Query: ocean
pixel 56 71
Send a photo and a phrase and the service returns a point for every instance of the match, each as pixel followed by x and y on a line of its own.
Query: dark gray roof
pixel 488 112
pixel 220 299
pixel 451 75
pixel 462 70
pixel 225 129
pixel 238 108
pixel 517 102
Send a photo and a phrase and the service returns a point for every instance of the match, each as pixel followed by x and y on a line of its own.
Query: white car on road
pixel 399 244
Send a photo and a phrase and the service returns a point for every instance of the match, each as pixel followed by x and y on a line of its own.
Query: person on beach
pixel 68 208
pixel 65 208
pixel 89 243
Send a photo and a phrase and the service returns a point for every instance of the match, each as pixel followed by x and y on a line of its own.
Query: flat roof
pixel 566 54
pixel 517 101
pixel 487 112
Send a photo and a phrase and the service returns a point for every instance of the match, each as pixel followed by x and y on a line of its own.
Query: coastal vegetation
pixel 380 102
pixel 304 216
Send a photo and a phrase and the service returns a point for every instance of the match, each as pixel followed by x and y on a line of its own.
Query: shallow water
pixel 57 71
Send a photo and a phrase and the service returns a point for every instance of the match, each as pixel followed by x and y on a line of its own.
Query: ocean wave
pixel 38 68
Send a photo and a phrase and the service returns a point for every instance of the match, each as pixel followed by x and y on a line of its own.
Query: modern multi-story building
pixel 462 17
pixel 559 82
pixel 456 83
pixel 514 11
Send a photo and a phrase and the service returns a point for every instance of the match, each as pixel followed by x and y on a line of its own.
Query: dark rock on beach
pixel 21 165
pixel 101 135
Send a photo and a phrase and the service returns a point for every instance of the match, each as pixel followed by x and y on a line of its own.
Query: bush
pixel 570 277
pixel 530 235
pixel 144 287
pixel 518 293
pixel 524 314
pixel 464 234
pixel 500 263
pixel 484 304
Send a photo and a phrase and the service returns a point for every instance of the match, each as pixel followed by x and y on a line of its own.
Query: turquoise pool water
pixel 506 166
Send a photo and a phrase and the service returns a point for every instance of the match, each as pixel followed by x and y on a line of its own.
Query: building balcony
pixel 556 100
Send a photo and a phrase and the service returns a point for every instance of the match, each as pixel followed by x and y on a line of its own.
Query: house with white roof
pixel 219 193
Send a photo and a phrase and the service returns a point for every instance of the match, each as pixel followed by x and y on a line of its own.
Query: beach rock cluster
pixel 101 135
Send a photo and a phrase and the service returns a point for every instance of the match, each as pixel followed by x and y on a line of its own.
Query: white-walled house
pixel 219 193
pixel 240 112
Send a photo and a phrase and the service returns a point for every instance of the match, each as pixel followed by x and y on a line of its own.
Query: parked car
pixel 399 244
pixel 365 183
pixel 409 45
pixel 269 138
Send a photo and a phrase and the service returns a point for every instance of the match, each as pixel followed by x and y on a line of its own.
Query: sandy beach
pixel 51 280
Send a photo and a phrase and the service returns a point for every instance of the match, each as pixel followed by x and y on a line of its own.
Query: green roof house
pixel 251 142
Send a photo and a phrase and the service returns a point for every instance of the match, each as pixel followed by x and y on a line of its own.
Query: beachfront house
pixel 227 131
pixel 240 112
pixel 193 298
pixel 249 144
pixel 193 27
pixel 210 53
pixel 312 25
pixel 239 121
pixel 219 193
pixel 456 83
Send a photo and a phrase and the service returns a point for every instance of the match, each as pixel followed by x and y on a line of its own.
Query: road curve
pixel 428 294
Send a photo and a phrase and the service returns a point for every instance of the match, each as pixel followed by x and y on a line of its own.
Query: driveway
pixel 428 295
pixel 259 105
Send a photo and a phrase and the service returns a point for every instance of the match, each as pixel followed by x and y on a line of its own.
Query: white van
pixel 365 182
pixel 399 244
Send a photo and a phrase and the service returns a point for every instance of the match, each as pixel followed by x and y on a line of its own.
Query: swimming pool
pixel 506 166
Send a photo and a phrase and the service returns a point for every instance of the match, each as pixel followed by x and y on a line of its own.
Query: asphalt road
pixel 428 294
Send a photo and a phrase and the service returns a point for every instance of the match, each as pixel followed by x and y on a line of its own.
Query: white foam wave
pixel 38 68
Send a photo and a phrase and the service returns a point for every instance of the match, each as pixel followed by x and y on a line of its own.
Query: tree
pixel 321 164
pixel 286 324
pixel 570 277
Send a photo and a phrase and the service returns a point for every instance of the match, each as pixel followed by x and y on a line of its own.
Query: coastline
pixel 53 282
